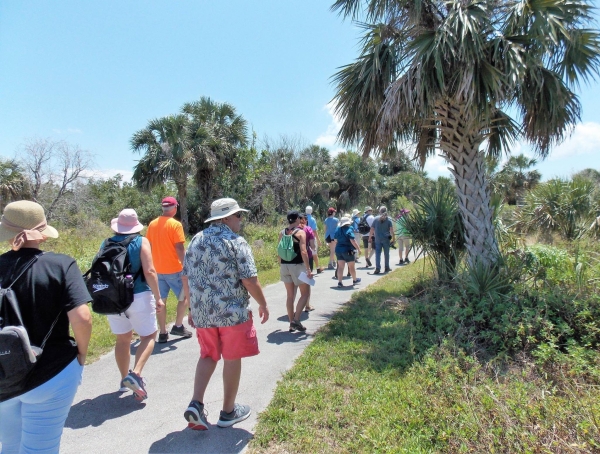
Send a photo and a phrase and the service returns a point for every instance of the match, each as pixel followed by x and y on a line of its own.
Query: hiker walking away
pixel 403 237
pixel 167 240
pixel 345 249
pixel 312 223
pixel 364 228
pixel 310 240
pixel 355 221
pixel 331 223
pixel 292 266
pixel 219 276
pixel 141 315
pixel 51 296
pixel 382 231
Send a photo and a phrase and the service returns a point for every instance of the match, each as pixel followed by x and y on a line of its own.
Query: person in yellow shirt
pixel 168 251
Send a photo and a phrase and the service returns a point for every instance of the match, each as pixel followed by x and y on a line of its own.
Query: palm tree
pixel 167 157
pixel 216 134
pixel 514 178
pixel 13 183
pixel 446 75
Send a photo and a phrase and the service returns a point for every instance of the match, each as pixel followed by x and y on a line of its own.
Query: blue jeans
pixel 168 282
pixel 386 252
pixel 34 421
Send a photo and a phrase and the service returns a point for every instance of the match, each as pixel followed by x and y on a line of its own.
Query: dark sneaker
pixel 162 338
pixel 196 415
pixel 137 384
pixel 368 262
pixel 330 267
pixel 239 413
pixel 348 275
pixel 400 263
pixel 340 285
pixel 180 331
pixel 356 281
pixel 406 261
pixel 319 270
pixel 297 326
pixel 377 271
pixel 387 270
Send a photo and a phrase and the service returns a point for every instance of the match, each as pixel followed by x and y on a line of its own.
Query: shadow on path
pixel 94 412
pixel 165 347
pixel 282 337
pixel 214 441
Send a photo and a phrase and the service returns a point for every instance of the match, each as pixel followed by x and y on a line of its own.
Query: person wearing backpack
pixel 293 260
pixel 141 314
pixel 364 228
pixel 331 223
pixel 345 249
pixel 51 296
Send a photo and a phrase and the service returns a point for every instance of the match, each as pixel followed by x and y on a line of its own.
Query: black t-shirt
pixel 53 283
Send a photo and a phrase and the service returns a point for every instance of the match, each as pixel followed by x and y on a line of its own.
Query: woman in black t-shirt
pixel 33 412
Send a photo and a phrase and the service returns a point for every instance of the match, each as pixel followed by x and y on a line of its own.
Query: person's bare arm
pixel 392 233
pixel 253 286
pixel 150 273
pixel 278 240
pixel 356 246
pixel 180 250
pixel 80 319
pixel 371 234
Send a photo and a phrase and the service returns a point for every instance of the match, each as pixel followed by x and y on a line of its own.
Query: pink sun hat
pixel 127 222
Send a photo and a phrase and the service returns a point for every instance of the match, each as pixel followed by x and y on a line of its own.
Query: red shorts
pixel 231 342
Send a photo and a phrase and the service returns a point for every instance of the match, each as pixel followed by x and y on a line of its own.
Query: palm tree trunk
pixel 460 141
pixel 183 206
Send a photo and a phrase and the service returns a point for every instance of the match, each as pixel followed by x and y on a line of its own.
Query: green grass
pixel 371 382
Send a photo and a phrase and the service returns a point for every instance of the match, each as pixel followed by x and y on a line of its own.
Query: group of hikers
pixel 212 279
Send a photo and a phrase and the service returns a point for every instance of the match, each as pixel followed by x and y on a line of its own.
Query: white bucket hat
pixel 308 210
pixel 355 212
pixel 127 222
pixel 26 220
pixel 345 221
pixel 222 208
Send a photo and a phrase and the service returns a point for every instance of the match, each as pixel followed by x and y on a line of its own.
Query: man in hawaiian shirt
pixel 219 275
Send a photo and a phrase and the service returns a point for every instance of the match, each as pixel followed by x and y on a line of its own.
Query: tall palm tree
pixel 216 133
pixel 167 156
pixel 448 75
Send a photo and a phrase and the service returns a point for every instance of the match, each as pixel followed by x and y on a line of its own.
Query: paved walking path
pixel 104 421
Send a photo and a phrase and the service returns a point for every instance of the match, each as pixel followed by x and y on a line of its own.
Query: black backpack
pixel 363 226
pixel 109 280
pixel 17 356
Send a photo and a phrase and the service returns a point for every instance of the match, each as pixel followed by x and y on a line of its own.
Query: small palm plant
pixel 436 227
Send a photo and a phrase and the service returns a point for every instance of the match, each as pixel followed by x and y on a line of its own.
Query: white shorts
pixel 140 317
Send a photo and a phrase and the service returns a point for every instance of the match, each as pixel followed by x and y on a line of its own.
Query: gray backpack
pixel 17 356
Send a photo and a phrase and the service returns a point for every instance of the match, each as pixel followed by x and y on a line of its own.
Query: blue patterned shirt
pixel 215 262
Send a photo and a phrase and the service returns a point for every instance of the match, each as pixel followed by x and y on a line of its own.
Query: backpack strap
pixel 12 302
pixel 125 243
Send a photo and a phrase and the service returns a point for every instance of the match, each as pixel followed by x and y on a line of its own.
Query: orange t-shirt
pixel 163 233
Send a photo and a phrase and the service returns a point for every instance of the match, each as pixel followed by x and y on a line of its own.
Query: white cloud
pixel 584 140
pixel 329 138
pixel 104 174
pixel 437 166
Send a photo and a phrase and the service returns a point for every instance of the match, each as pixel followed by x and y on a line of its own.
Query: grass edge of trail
pixel 363 385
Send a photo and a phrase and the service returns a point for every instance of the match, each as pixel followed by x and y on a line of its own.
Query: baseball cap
pixel 169 201
pixel 331 210
pixel 292 216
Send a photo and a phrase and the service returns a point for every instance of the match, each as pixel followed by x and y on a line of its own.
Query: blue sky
pixel 93 73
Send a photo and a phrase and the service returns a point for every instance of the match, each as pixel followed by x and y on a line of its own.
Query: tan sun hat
pixel 127 222
pixel 222 208
pixel 355 212
pixel 345 221
pixel 25 219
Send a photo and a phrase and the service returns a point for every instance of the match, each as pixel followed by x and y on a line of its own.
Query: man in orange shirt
pixel 167 240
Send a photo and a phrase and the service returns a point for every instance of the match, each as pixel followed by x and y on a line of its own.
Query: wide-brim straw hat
pixel 24 215
pixel 345 221
pixel 127 222
pixel 222 208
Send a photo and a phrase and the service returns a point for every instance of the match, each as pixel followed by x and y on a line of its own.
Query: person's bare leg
pixel 352 269
pixel 143 352
pixel 181 311
pixel 400 249
pixel 304 295
pixel 232 370
pixel 123 353
pixel 161 317
pixel 290 289
pixel 340 270
pixel 204 370
pixel 332 253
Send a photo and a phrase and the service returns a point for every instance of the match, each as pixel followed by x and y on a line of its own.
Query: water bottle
pixel 129 288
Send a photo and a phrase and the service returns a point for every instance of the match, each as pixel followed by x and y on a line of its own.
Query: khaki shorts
pixel 290 272
pixel 139 317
